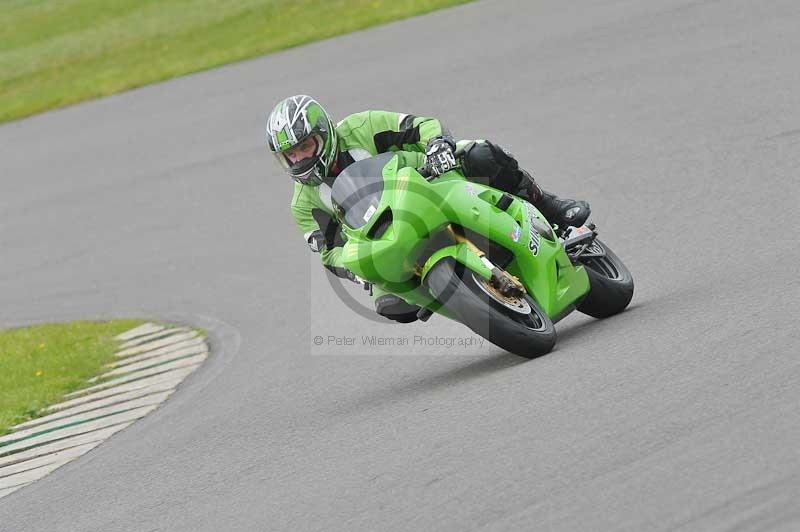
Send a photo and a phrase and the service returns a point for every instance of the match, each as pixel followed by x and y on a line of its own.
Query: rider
pixel 313 151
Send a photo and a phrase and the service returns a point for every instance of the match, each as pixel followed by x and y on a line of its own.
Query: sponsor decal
pixel 515 234
pixel 533 243
pixel 470 188
pixel 369 213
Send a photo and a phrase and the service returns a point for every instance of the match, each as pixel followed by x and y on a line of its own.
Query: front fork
pixel 505 283
pixel 466 252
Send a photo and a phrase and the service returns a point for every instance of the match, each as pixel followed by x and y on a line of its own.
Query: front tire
pixel 519 327
pixel 611 284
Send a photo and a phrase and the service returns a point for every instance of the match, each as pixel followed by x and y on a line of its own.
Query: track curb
pixel 150 363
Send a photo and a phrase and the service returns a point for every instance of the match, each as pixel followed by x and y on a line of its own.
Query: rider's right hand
pixel 440 156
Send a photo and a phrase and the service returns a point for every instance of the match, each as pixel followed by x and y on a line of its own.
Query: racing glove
pixel 358 280
pixel 440 156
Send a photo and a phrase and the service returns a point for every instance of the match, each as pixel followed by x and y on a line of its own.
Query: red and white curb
pixel 151 361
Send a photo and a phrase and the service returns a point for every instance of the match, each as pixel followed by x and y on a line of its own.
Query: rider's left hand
pixel 358 280
pixel 440 156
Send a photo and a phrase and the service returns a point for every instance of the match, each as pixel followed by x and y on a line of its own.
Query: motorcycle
pixel 475 254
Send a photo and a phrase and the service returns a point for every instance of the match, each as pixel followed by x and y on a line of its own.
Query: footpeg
pixel 577 235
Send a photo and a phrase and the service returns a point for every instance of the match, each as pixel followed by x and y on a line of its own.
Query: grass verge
pixel 58 52
pixel 39 364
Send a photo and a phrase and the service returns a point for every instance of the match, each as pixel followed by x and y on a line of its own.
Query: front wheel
pixel 611 284
pixel 517 325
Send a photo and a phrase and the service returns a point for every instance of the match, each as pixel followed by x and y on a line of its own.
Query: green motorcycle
pixel 473 253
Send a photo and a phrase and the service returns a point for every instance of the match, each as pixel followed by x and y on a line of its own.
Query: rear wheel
pixel 611 284
pixel 517 325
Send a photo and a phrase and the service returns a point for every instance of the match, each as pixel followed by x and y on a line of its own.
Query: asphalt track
pixel 679 120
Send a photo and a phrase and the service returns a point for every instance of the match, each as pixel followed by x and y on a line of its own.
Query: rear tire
pixel 611 284
pixel 522 329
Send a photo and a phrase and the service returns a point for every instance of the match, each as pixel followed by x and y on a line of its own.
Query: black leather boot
pixel 528 189
pixel 563 212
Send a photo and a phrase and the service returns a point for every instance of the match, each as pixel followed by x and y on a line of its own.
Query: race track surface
pixel 679 120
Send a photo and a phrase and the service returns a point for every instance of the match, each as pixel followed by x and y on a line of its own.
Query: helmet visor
pixel 302 158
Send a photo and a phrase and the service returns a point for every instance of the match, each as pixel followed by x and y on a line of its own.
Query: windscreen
pixel 357 190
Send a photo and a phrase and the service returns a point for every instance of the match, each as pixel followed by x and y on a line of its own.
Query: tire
pixel 611 284
pixel 525 333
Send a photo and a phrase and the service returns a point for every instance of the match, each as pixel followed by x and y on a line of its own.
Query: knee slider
pixel 396 309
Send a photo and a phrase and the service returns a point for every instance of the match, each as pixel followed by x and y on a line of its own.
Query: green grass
pixel 38 365
pixel 57 52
